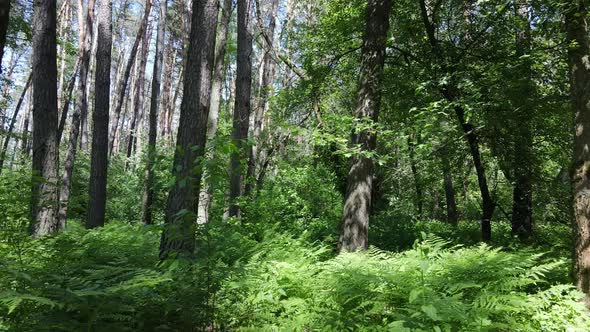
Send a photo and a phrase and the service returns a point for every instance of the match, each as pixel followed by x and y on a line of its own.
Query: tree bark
pixel 265 87
pixel 178 236
pixel 522 195
pixel 4 16
pixel 206 194
pixel 241 118
pixel 138 93
pixel 85 38
pixel 576 26
pixel 125 79
pixel 357 205
pixel 149 192
pixel 13 122
pixel 100 118
pixel 66 103
pixel 419 202
pixel 166 99
pixel 452 213
pixel 45 113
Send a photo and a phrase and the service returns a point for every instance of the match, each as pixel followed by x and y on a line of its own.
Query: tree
pixel 181 209
pixel 216 92
pixel 100 117
pixel 45 122
pixel 4 15
pixel 264 91
pixel 122 87
pixel 241 118
pixel 148 198
pixel 357 203
pixel 522 201
pixel 450 91
pixel 576 26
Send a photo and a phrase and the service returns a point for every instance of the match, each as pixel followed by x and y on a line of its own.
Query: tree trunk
pixel 100 117
pixel 577 35
pixel 25 142
pixel 149 192
pixel 85 36
pixel 125 79
pixel 45 149
pixel 357 205
pixel 216 91
pixel 450 93
pixel 66 103
pixel 265 87
pixel 452 214
pixel 178 236
pixel 419 202
pixel 166 99
pixel 138 93
pixel 522 202
pixel 4 15
pixel 241 118
pixel 13 122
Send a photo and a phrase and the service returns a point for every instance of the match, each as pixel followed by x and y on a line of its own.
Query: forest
pixel 295 165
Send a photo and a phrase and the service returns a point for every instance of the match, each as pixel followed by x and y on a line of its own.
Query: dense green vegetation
pixel 279 270
pixel 294 165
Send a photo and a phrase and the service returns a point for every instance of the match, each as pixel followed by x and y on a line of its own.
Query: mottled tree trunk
pixel 100 118
pixel 178 235
pixel 149 192
pixel 578 53
pixel 241 118
pixel 45 122
pixel 206 194
pixel 4 15
pixel 125 78
pixel 522 202
pixel 357 205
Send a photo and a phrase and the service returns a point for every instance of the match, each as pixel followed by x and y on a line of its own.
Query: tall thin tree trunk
pixel 522 202
pixel 216 90
pixel 242 108
pixel 87 57
pixel 13 122
pixel 265 87
pixel 4 15
pixel 85 39
pixel 419 202
pixel 576 25
pixel 169 62
pixel 178 235
pixel 25 142
pixel 100 118
pixel 66 103
pixel 149 192
pixel 357 205
pixel 452 214
pixel 62 33
pixel 450 92
pixel 138 93
pixel 45 113
pixel 125 79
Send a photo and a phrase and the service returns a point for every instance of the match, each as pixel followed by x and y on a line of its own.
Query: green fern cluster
pixel 433 287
